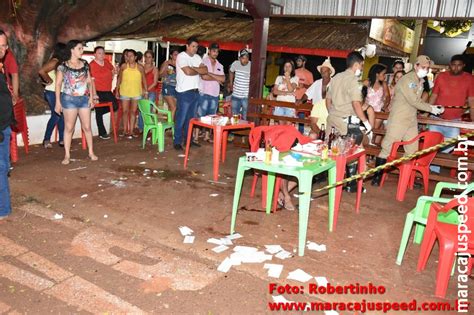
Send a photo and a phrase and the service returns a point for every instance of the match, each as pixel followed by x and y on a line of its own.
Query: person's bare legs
pixel 85 118
pixel 377 125
pixel 125 113
pixel 196 131
pixel 70 116
pixel 171 101
pixel 371 115
pixel 286 187
pixel 133 115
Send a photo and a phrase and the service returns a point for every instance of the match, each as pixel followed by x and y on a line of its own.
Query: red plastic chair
pixel 255 137
pixel 447 236
pixel 422 164
pixel 20 127
pixel 112 123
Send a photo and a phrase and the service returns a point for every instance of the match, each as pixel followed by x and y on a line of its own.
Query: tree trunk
pixel 35 26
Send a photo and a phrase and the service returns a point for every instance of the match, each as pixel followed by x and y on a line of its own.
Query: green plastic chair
pixel 152 123
pixel 265 92
pixel 419 215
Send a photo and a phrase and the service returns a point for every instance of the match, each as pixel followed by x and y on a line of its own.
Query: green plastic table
pixel 304 174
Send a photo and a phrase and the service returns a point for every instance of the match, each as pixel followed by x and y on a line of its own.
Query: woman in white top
pixel 285 88
pixel 48 75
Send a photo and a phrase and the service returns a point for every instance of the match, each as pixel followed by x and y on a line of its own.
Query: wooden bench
pixel 264 111
pixel 446 160
pixel 261 111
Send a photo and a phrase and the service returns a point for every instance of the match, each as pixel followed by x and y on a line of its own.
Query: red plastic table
pixel 341 161
pixel 220 139
pixel 110 105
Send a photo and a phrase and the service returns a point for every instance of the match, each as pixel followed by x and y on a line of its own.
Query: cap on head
pixel 214 46
pixel 243 52
pixel 424 60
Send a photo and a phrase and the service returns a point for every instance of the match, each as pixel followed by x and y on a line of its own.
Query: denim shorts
pixel 74 102
pixel 169 90
pixel 284 111
pixel 130 98
pixel 207 105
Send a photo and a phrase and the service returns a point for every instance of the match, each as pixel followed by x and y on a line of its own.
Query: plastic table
pixel 304 174
pixel 220 140
pixel 341 161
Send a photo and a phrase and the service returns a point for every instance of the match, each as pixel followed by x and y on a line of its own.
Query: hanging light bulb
pixel 435 23
pixel 441 30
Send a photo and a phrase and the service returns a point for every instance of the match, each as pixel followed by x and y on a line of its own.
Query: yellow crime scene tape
pixel 395 162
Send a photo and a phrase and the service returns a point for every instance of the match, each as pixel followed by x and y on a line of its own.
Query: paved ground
pixel 118 249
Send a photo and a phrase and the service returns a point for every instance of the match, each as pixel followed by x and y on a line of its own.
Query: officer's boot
pixel 378 175
pixel 351 170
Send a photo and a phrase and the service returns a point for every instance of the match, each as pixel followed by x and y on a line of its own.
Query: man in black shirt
pixel 6 119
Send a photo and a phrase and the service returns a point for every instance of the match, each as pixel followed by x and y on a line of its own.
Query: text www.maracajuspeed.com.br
pixel 363 306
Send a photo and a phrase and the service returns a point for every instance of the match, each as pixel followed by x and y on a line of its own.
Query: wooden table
pixel 220 139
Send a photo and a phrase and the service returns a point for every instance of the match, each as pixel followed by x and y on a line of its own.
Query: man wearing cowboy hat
pixel 317 93
pixel 402 123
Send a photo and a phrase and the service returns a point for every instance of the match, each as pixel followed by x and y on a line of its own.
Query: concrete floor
pixel 118 249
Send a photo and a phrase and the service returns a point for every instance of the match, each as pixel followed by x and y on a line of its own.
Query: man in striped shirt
pixel 239 81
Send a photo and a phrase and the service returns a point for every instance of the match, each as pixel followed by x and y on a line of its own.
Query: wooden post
pixel 420 33
pixel 260 12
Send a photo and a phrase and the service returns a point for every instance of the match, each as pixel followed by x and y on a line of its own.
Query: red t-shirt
pixel 103 75
pixel 453 90
pixel 9 65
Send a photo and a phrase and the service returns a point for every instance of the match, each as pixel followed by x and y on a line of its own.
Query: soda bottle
pixel 332 137
pixel 322 133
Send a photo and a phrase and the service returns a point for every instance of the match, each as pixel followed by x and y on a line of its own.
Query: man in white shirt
pixel 188 69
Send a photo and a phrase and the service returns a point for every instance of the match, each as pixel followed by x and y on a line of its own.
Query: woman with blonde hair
pixel 151 77
pixel 168 73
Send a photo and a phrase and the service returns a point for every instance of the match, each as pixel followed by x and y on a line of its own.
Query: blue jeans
pixel 5 204
pixel 207 105
pixel 186 108
pixel 284 111
pixel 169 90
pixel 50 97
pixel 301 126
pixel 151 97
pixel 239 106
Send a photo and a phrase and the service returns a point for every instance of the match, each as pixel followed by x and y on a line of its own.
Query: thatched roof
pixel 287 33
